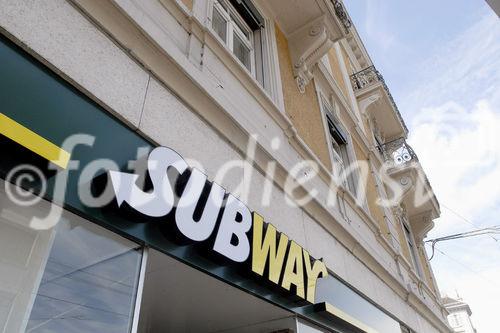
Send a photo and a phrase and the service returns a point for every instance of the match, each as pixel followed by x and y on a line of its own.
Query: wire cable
pixel 473 233
pixel 465 219
pixel 469 269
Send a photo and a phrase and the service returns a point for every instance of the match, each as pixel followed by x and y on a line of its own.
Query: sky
pixel 441 61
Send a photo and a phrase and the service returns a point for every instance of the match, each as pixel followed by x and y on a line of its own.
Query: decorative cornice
pixel 342 15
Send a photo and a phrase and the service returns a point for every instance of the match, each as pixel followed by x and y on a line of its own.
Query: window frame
pixel 234 25
pixel 330 113
pixel 412 246
pixel 266 75
pixel 456 318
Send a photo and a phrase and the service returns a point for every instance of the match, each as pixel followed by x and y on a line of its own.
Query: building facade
pixel 460 315
pixel 205 166
pixel 495 5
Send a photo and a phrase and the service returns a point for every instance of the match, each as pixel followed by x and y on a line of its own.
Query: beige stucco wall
pixel 404 243
pixel 368 130
pixel 303 109
pixel 350 69
pixel 372 195
pixel 337 72
pixel 427 269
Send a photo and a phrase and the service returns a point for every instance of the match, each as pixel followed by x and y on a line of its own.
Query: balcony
pixel 376 100
pixel 397 153
pixel 404 167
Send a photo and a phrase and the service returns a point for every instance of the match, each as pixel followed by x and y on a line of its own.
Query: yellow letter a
pixel 264 251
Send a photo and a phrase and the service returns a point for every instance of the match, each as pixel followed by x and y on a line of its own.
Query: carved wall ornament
pixel 315 30
pixel 301 84
pixel 308 45
pixel 400 213
pixel 405 181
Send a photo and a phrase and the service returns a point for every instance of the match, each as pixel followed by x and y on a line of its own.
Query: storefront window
pixel 89 282
pixel 306 327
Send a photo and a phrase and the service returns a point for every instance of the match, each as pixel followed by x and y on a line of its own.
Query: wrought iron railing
pixel 369 76
pixel 342 15
pixel 397 152
pixel 366 77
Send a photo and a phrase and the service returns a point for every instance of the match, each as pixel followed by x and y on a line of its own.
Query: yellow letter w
pixel 262 250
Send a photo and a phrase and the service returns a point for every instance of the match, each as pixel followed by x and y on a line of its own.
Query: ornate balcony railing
pixel 397 152
pixel 366 77
pixel 369 76
pixel 342 15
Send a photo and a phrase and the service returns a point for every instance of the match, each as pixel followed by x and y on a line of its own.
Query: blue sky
pixel 441 61
pixel 401 36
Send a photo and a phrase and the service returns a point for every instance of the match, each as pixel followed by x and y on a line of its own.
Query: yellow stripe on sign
pixel 34 142
pixel 336 312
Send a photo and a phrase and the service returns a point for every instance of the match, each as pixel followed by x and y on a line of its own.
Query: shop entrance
pixel 179 298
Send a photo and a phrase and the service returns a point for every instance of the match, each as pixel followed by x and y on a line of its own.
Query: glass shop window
pixel 89 282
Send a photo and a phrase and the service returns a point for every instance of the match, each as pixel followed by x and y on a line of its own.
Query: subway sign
pixel 33 130
pixel 205 212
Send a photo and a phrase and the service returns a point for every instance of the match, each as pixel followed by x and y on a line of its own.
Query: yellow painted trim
pixel 347 318
pixel 34 142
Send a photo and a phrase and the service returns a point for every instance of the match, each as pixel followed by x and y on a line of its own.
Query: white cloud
pixel 455 131
pixel 459 271
pixel 376 13
pixel 466 69
pixel 460 152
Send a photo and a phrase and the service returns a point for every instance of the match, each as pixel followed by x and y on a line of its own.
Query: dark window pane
pixel 241 51
pixel 259 57
pixel 219 24
pixel 241 27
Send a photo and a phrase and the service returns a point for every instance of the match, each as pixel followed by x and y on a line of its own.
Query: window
pixel 219 24
pixel 412 247
pixel 455 320
pixel 340 147
pixel 89 283
pixel 379 144
pixel 75 277
pixel 238 24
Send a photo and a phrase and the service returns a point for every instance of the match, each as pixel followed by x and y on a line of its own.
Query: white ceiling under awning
pixel 179 298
